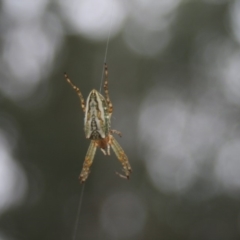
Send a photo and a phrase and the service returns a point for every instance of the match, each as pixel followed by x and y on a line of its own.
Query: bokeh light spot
pixel 28 53
pixel 227 166
pixel 167 130
pixel 234 17
pixel 13 182
pixel 25 9
pixel 93 18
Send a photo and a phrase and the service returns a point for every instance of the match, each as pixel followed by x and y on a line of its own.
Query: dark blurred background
pixel 174 80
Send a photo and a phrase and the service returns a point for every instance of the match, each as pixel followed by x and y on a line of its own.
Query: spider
pixel 98 110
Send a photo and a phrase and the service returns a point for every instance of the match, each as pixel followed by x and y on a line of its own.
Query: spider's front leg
pixel 88 162
pixel 109 103
pixel 122 157
pixel 77 91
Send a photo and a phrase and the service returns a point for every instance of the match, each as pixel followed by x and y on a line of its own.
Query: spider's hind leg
pixel 88 162
pixel 122 157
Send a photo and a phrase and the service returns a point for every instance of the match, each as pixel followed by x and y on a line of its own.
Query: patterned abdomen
pixel 97 121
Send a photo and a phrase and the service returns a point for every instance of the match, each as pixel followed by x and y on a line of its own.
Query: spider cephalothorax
pixel 97 126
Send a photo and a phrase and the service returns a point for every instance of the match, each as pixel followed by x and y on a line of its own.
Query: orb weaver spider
pixel 97 121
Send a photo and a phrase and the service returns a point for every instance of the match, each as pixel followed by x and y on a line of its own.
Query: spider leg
pixel 121 176
pixel 108 149
pixel 116 132
pixel 110 106
pixel 122 157
pixel 77 91
pixel 88 162
pixel 103 150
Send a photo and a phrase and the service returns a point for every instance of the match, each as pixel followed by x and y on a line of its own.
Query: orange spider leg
pixel 109 103
pixel 77 91
pixel 122 157
pixel 88 162
pixel 116 132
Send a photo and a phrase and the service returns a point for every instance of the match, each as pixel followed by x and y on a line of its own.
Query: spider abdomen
pixel 97 121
